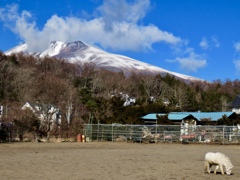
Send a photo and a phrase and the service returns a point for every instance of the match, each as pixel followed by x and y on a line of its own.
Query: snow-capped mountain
pixel 79 52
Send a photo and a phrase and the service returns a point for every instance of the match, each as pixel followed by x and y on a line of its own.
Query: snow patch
pixel 79 52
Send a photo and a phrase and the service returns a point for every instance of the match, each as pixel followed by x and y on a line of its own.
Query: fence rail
pixel 162 133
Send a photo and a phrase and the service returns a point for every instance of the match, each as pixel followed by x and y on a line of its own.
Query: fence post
pixel 91 131
pixel 164 136
pixel 156 133
pixel 223 135
pixel 112 132
pixel 126 133
pixel 98 131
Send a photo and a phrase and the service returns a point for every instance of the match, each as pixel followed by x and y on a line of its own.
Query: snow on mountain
pixel 20 48
pixel 79 52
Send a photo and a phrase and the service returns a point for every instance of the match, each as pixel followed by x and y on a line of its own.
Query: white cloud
pixel 215 41
pixel 191 64
pixel 237 46
pixel 210 43
pixel 237 64
pixel 113 11
pixel 236 61
pixel 116 27
pixel 204 43
pixel 191 61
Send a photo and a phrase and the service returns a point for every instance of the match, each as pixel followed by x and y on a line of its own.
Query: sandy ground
pixel 110 161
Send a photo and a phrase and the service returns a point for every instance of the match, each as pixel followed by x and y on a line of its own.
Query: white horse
pixel 219 160
pixel 148 133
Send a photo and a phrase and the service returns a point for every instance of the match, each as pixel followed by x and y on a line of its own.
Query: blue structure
pixel 178 117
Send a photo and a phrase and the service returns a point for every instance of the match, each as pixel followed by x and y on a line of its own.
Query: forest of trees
pixel 87 94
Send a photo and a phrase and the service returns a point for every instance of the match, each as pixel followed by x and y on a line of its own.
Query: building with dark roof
pixel 235 105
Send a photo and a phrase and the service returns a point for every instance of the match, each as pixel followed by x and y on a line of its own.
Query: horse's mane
pixel 225 160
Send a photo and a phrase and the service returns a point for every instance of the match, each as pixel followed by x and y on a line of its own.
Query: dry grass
pixel 108 161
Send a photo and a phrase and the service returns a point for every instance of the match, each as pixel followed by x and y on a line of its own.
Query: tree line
pixel 85 93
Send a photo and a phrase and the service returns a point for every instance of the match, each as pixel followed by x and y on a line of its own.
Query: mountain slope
pixel 79 52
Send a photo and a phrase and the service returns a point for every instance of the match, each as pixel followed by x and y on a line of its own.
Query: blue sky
pixel 200 38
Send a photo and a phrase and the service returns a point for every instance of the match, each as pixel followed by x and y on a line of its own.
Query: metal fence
pixel 162 133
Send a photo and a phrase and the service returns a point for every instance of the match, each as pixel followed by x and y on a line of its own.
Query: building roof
pixel 32 106
pixel 236 102
pixel 176 116
pixel 153 116
pixel 213 116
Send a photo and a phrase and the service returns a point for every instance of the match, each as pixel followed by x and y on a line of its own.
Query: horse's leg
pixel 216 168
pixel 209 169
pixel 221 168
pixel 206 167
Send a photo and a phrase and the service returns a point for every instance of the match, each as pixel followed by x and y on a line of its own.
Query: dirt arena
pixel 110 161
